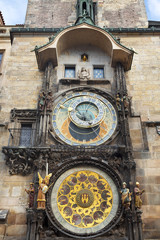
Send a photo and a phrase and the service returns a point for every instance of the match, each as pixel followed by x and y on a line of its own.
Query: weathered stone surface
pixel 16 230
pixel 14 238
pixel 61 13
pixel 20 219
pixel 16 191
pixel 151 235
pixel 11 218
pixel 2 229
pixel 151 223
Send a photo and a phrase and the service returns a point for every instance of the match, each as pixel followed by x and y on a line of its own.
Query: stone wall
pixel 19 88
pixel 143 82
pixel 109 13
pixel 20 85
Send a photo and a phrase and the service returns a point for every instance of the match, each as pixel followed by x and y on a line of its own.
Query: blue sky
pixel 14 10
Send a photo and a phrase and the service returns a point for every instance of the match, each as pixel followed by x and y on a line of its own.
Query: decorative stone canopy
pixel 84 34
pixel 85 12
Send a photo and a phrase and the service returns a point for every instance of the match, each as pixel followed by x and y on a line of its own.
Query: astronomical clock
pixel 84 118
pixel 84 199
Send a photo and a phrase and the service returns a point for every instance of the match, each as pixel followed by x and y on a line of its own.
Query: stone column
pixel 139 224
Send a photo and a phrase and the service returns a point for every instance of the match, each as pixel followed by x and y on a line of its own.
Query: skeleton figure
pixel 31 193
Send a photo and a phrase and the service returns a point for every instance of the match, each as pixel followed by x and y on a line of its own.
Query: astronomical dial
pixel 87 112
pixel 84 118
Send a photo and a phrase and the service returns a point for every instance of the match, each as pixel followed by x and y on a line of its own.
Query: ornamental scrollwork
pixel 19 161
pixel 21 113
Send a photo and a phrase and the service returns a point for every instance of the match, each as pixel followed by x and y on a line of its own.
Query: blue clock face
pixel 87 112
pixel 84 118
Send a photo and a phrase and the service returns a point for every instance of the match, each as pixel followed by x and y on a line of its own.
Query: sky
pixel 14 10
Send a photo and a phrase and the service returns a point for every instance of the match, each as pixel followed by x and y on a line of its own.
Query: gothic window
pixel 1 55
pixel 26 135
pixel 94 10
pixel 1 58
pixel 70 72
pixel 84 7
pixel 98 72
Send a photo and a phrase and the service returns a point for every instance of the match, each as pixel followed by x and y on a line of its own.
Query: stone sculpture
pixel 138 193
pixel 43 188
pixel 84 74
pixel 125 196
pixel 31 194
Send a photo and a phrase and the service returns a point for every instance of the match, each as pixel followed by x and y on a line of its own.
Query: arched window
pixel 84 7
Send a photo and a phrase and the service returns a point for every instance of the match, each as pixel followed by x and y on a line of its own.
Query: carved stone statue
pixel 42 97
pixel 43 188
pixel 126 101
pixel 137 194
pixel 31 194
pixel 49 101
pixel 118 102
pixel 84 74
pixel 45 99
pixel 125 196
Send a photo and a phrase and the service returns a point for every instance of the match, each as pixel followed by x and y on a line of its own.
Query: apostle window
pixel 98 72
pixel 69 72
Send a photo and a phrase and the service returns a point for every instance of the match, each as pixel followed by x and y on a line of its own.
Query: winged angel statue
pixel 42 190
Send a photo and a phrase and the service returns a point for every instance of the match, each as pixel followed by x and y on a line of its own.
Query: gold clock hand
pixel 69 109
pixel 62 106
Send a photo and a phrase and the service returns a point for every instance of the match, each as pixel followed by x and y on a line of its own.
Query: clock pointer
pixel 69 109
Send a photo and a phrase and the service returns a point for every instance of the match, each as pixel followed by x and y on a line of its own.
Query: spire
pixel 85 12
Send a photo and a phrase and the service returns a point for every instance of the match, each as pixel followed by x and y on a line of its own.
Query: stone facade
pixel 62 13
pixel 21 82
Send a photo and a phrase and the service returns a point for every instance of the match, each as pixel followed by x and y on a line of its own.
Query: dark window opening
pixel 84 8
pixel 94 10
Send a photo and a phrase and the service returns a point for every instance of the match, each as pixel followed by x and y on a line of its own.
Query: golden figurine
pixel 31 194
pixel 137 194
pixel 43 188
pixel 125 196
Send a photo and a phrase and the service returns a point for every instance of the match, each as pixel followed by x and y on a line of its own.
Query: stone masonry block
pixel 21 219
pixel 11 218
pixel 2 229
pixel 16 230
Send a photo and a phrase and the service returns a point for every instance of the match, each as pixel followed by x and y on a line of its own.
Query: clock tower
pixel 81 154
pixel 83 111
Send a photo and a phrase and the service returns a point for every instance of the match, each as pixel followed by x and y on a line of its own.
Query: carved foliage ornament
pixel 21 114
pixel 24 160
